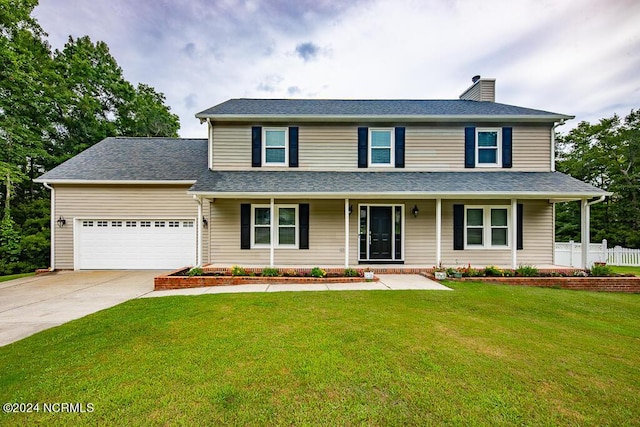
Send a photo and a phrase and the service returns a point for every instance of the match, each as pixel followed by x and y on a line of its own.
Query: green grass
pixel 15 276
pixel 626 270
pixel 482 355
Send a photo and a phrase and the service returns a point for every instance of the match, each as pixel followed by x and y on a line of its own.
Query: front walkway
pixel 387 282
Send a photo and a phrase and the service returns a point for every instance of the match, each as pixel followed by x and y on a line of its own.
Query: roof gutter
pixel 383 118
pixel 553 143
pixel 598 200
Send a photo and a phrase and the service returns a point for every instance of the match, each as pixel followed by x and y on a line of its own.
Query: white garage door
pixel 135 244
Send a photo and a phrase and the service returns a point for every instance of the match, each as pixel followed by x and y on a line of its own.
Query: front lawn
pixel 481 355
pixel 15 276
pixel 625 270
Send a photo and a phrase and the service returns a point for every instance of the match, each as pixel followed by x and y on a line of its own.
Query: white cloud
pixel 575 57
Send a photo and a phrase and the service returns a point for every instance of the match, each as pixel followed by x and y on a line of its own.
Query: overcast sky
pixel 576 57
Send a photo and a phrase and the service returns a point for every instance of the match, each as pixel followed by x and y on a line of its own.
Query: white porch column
pixel 438 232
pixel 585 224
pixel 199 238
pixel 346 233
pixel 272 221
pixel 514 233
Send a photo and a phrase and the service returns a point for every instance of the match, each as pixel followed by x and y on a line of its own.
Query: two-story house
pixel 300 182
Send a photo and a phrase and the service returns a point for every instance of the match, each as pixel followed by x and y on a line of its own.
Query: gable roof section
pixel 324 109
pixel 121 159
pixel 544 185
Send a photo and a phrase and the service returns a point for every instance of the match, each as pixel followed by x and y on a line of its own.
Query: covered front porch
pixel 395 225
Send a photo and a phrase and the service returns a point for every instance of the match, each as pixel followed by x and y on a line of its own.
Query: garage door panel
pixel 135 244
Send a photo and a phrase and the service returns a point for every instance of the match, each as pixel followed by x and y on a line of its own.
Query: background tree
pixel 54 105
pixel 607 155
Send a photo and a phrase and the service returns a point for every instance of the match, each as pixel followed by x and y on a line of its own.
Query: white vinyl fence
pixel 570 254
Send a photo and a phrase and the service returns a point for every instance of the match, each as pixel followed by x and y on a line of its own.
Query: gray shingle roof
pixel 355 108
pixel 361 183
pixel 135 159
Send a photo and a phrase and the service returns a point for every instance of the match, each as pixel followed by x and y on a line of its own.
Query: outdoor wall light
pixel 61 221
pixel 205 223
pixel 415 211
pixel 350 209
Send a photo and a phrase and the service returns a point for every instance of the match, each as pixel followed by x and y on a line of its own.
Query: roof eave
pixel 115 181
pixel 408 118
pixel 565 196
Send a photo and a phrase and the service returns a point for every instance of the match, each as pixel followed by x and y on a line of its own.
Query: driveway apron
pixel 33 304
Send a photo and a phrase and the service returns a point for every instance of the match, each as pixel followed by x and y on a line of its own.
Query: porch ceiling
pixel 468 185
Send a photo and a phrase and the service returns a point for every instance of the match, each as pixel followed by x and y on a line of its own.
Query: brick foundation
pixel 167 281
pixel 599 284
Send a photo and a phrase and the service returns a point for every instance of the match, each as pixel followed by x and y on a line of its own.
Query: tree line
pixel 53 105
pixel 607 155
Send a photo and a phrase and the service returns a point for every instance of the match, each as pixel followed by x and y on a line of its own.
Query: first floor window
pixel 286 225
pixel 487 227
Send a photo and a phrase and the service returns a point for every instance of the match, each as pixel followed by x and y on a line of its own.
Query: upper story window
pixel 488 143
pixel 275 146
pixel 487 227
pixel 381 151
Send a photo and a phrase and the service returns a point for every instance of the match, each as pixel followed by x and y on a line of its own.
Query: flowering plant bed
pixel 584 283
pixel 181 279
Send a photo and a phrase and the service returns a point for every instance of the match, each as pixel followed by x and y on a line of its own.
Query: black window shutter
pixel 293 147
pixel 245 226
pixel 363 146
pixel 507 156
pixel 470 147
pixel 399 137
pixel 303 212
pixel 458 227
pixel 256 146
pixel 520 213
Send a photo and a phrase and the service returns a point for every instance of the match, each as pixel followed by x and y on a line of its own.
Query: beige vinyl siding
pixel 332 148
pixel 427 148
pixel 231 147
pixel 326 234
pixel 437 148
pixel 532 148
pixel 116 202
pixel 538 236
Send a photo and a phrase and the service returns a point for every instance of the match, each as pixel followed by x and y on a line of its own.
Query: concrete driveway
pixel 33 304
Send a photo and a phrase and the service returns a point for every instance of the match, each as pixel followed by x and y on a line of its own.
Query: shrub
pixel 270 272
pixel 601 270
pixel 350 272
pixel 236 270
pixel 493 271
pixel 291 273
pixel 527 271
pixel 318 272
pixel 469 271
pixel 195 271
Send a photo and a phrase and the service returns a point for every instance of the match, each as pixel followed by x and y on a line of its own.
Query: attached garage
pixel 134 243
pixel 124 204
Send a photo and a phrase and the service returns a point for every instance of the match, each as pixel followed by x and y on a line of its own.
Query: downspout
pixel 53 225
pixel 585 238
pixel 199 229
pixel 553 143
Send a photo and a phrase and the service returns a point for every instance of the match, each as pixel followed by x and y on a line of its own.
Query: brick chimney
pixel 481 90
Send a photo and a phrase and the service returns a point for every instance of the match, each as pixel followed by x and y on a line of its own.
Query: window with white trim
pixel 488 143
pixel 286 226
pixel 274 147
pixel 381 147
pixel 487 227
